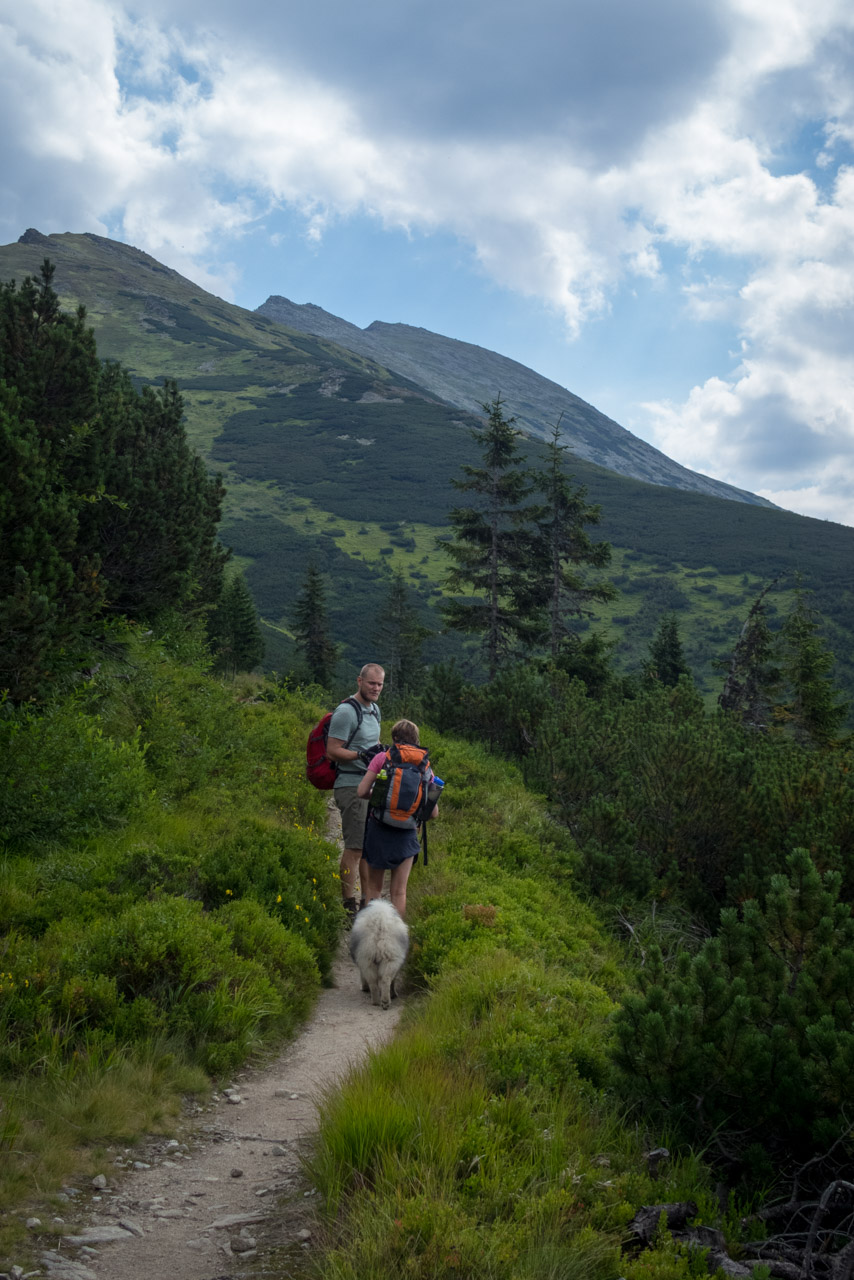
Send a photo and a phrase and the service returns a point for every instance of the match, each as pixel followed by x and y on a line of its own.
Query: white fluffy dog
pixel 379 941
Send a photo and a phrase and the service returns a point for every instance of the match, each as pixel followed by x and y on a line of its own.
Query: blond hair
pixel 371 666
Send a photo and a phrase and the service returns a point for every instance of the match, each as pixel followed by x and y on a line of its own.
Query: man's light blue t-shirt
pixel 341 725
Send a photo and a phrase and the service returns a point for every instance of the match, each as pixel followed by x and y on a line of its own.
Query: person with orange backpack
pixel 400 788
pixel 353 737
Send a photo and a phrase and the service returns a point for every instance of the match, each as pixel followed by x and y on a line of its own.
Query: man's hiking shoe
pixel 351 908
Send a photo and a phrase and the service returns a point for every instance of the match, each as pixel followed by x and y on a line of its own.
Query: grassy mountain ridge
pixel 326 453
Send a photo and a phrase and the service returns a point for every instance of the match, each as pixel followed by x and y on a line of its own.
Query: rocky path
pixel 225 1197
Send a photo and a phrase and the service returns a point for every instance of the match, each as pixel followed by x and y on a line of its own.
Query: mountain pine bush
pixel 751 1040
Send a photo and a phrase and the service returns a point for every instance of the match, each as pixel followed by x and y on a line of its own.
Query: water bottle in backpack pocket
pixel 434 792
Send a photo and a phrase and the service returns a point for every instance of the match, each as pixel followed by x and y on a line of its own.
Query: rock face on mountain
pixel 466 376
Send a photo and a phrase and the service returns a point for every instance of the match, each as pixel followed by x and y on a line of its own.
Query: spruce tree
pixel 752 677
pixel 311 628
pixel 491 544
pixel 666 662
pixel 102 501
pixel 401 634
pixel 234 629
pixel 813 709
pixel 589 660
pixel 562 548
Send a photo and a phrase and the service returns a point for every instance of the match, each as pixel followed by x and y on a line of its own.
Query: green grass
pixel 482 1142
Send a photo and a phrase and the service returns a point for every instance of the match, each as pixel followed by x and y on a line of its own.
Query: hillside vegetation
pixel 168 903
pixel 325 454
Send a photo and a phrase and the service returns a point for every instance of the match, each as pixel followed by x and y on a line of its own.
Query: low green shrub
pixel 161 949
pixel 523 1023
pixel 61 775
pixel 188 723
pixel 293 874
pixel 751 1037
pixel 284 955
pixel 160 967
pixel 450 931
pixel 146 868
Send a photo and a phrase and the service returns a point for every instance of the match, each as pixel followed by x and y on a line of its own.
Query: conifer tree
pixel 402 635
pixel 666 662
pixel 562 548
pixel 154 529
pixel 102 501
pixel 50 358
pixel 235 631
pixel 311 628
pixel 47 598
pixel 589 660
pixel 752 677
pixel 750 1039
pixel 491 544
pixel 813 709
pixel 49 587
pixel 444 696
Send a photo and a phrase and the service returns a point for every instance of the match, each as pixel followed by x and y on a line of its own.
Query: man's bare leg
pixel 349 869
pixel 364 881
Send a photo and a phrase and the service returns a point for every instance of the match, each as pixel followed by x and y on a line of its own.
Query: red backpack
pixel 320 771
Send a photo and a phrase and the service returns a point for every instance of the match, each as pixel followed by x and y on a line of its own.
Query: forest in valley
pixel 635 935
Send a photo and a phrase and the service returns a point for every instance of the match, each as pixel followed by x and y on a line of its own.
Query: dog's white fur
pixel 379 941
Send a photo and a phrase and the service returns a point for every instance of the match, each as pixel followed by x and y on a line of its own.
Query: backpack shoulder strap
pixel 359 716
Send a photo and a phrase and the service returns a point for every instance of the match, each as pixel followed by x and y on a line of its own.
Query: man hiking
pixel 352 761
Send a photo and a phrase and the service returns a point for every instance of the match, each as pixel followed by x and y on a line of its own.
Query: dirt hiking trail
pixel 225 1196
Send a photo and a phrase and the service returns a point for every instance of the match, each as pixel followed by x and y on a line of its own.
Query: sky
pixel 651 203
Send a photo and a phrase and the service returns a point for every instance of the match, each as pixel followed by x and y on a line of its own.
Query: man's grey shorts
pixel 354 813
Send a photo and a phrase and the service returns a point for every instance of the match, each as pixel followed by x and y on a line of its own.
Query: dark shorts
pixel 387 848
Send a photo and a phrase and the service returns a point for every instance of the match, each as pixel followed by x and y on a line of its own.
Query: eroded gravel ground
pixel 226 1196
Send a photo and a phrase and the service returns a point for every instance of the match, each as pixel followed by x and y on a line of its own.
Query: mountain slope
pixel 327 455
pixel 469 376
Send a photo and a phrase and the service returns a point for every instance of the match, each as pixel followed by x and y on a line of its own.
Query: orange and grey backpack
pixel 400 798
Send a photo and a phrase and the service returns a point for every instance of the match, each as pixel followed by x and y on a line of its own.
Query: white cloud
pixel 827 499
pixel 180 140
pixel 788 408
